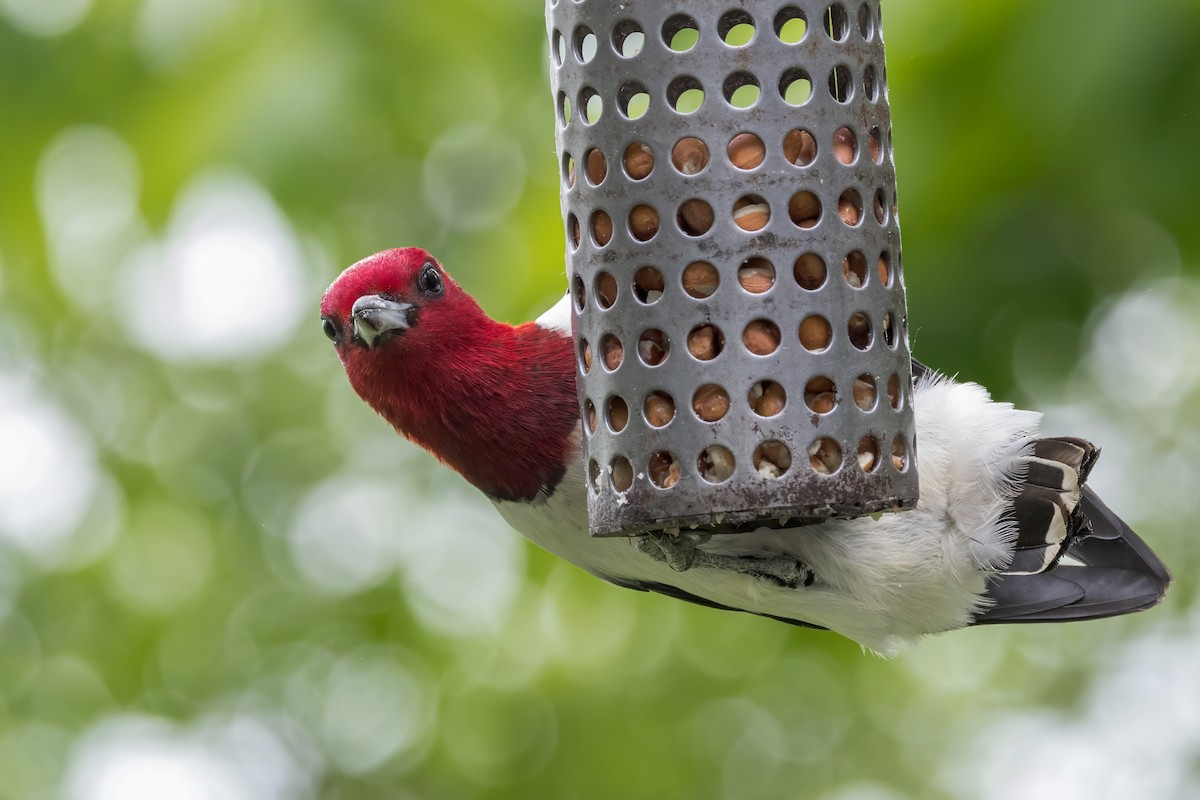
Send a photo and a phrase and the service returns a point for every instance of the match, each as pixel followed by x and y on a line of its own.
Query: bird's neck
pixel 501 409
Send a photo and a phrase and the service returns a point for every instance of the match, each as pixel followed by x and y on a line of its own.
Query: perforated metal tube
pixel 728 192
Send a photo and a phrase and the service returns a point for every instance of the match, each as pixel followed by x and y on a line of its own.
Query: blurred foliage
pixel 222 576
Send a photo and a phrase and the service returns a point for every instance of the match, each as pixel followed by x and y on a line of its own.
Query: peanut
pixel 799 148
pixel 602 228
pixel 815 333
pixel 850 208
pixel 767 398
pixel 700 279
pixel 652 347
pixel 597 167
pixel 756 276
pixel 696 216
pixel 844 145
pixel 618 414
pixel 716 464
pixel 809 271
pixel 606 289
pixel 746 151
pixel 824 455
pixel 859 328
pixel 710 402
pixel 639 160
pixel 643 221
pixel 614 354
pixel 752 217
pixel 690 155
pixel 772 459
pixel 704 342
pixel 659 409
pixel 761 337
pixel 665 470
pixel 804 209
pixel 864 393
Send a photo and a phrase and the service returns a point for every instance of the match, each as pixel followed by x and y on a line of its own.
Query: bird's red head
pixel 396 304
pixel 495 402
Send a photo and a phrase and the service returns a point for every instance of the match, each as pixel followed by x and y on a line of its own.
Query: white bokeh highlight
pixel 226 282
pixel 45 18
pixel 87 187
pixel 145 758
pixel 48 476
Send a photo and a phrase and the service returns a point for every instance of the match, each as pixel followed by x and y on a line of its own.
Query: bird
pixel 1005 529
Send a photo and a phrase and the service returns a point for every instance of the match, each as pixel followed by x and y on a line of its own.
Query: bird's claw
pixel 680 553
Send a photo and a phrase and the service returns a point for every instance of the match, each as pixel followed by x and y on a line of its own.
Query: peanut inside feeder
pixel 734 256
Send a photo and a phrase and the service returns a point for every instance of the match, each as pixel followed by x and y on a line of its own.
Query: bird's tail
pixel 1073 557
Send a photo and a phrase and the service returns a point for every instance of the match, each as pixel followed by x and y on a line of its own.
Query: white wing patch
pixel 558 316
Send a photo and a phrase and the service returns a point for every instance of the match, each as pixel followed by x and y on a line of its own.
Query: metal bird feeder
pixel 728 192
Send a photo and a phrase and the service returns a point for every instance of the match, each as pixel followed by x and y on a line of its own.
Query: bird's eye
pixel 430 282
pixel 329 328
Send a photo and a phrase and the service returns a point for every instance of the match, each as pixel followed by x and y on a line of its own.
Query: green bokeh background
pixel 1047 162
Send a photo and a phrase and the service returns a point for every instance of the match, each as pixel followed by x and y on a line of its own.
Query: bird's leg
pixel 681 554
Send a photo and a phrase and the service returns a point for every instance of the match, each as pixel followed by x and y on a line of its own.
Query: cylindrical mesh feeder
pixel 728 192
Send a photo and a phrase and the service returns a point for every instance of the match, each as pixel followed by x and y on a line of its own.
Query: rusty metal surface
pixel 746 497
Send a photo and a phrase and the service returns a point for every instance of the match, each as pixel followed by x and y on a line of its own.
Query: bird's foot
pixel 681 553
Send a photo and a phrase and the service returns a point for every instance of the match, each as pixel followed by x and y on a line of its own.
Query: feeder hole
pixel 589 417
pixel 643 222
pixel 648 285
pixel 741 90
pixel 736 28
pixel 606 290
pixel 710 402
pixel 665 469
pixel 715 464
pixel 854 269
pixel 746 151
pixel 751 213
pixel 756 275
pixel 845 145
pixel 617 414
pixel 612 353
pixel 859 329
pixel 700 279
pixel 633 100
pixel 884 268
pixel 841 88
pixel 680 33
pixel 705 342
pixel 880 205
pixel 653 347
pixel 899 453
pixel 591 104
pixel 772 459
pixel 868 453
pixel 815 333
pixel 659 409
pixel 824 456
pixel 864 392
pixel 685 94
pixel 695 217
pixel 799 147
pixel 621 474
pixel 689 156
pixel 836 22
pixel 795 87
pixel 850 208
pixel 761 337
pixel 791 25
pixel 585 356
pixel 820 395
pixel 638 161
pixel 804 209
pixel 767 398
pixel 597 167
pixel 602 228
pixel 628 38
pixel 893 391
pixel 810 272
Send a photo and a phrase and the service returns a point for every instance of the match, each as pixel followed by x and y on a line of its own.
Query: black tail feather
pixel 1120 574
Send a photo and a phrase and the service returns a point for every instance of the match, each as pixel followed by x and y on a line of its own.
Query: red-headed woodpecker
pixel 1005 530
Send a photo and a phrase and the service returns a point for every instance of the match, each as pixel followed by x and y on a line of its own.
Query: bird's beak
pixel 374 316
